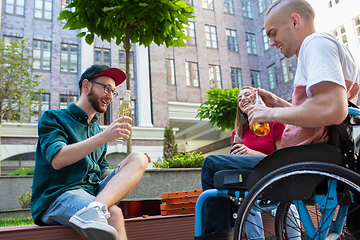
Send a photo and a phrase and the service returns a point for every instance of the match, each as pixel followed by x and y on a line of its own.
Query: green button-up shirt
pixel 57 128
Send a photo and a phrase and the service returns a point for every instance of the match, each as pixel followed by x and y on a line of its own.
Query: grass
pixel 17 221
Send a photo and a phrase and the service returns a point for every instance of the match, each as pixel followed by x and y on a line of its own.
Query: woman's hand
pixel 244 150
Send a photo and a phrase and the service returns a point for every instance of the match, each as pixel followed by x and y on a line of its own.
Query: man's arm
pixel 72 153
pixel 271 100
pixel 327 106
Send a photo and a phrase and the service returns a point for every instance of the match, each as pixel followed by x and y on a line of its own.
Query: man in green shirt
pixel 72 184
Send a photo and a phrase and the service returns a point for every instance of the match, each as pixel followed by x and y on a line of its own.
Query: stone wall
pixel 151 186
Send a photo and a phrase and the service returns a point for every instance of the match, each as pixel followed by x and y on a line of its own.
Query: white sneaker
pixel 91 222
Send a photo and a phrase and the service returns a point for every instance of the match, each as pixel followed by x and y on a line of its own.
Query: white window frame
pixel 228 6
pixel 236 78
pixel 43 9
pixel 192 74
pixel 208 4
pixel 69 58
pixel 246 8
pixel 211 36
pixel 102 59
pixel 43 56
pixel 255 78
pixel 251 43
pixel 288 76
pixel 231 38
pixel 273 78
pixel 215 76
pixel 17 7
pixel 170 72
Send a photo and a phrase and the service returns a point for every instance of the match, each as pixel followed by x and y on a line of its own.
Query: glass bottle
pixel 235 141
pixel 125 110
pixel 260 129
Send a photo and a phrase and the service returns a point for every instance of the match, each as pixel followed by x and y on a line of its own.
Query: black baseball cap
pixel 98 70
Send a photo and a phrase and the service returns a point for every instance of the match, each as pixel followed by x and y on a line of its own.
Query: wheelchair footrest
pixel 232 178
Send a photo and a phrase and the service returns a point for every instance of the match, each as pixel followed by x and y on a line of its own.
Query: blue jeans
pixel 217 213
pixel 70 202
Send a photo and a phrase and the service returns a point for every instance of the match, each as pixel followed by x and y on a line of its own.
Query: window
pixel 65 3
pixel 189 2
pixel 190 32
pixel 340 34
pixel 65 100
pixel 192 78
pixel 63 7
pixel 170 71
pixel 43 9
pixel 251 43
pixel 228 6
pixel 262 5
pixel 255 79
pixel 210 34
pixel 122 63
pixel 246 8
pixel 7 40
pixel 42 55
pixel 357 28
pixel 69 58
pixel 15 7
pixel 330 4
pixel 232 40
pixel 337 1
pixel 236 81
pixel 285 66
pixel 102 56
pixel 266 40
pixel 214 76
pixel 133 115
pixel 208 4
pixel 273 79
pixel 40 109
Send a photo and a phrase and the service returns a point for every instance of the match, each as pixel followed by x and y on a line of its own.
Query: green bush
pixel 24 200
pixel 182 160
pixel 22 172
pixel 220 108
pixel 9 222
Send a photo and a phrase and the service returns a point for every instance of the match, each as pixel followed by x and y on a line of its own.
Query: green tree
pixel 220 108
pixel 18 85
pixel 170 147
pixel 136 21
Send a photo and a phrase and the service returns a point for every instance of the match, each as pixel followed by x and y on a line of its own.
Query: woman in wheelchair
pixel 246 142
pixel 306 171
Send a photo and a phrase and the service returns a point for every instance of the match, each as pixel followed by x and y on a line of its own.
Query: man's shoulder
pixel 53 114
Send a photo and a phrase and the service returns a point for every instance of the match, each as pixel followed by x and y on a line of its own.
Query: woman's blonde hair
pixel 241 117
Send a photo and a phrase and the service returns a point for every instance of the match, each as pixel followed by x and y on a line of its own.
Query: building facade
pixel 228 48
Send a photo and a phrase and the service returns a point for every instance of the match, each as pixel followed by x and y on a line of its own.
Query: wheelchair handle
pixel 354 111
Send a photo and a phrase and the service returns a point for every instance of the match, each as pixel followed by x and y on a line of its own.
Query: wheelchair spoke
pixel 317 199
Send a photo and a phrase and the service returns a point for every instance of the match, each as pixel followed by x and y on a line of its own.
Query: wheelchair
pixel 313 178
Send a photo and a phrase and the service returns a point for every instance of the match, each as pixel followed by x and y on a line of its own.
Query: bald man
pixel 326 78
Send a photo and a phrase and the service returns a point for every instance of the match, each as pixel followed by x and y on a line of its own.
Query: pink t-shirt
pixel 321 58
pixel 265 144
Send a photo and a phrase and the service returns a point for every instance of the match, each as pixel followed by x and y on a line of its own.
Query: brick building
pixel 228 49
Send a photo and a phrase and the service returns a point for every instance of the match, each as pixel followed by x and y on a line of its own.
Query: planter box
pixel 179 202
pixel 15 213
pixel 153 183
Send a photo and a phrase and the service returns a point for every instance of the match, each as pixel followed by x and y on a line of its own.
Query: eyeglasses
pixel 107 89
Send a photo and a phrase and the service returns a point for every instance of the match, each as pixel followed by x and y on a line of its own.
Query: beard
pixel 95 102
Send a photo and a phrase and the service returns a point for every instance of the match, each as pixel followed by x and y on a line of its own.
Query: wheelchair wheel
pixel 307 185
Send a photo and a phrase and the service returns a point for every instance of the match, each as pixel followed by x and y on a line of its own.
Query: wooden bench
pixel 180 227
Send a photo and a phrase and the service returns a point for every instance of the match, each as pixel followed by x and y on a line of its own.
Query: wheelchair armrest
pixel 355 115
